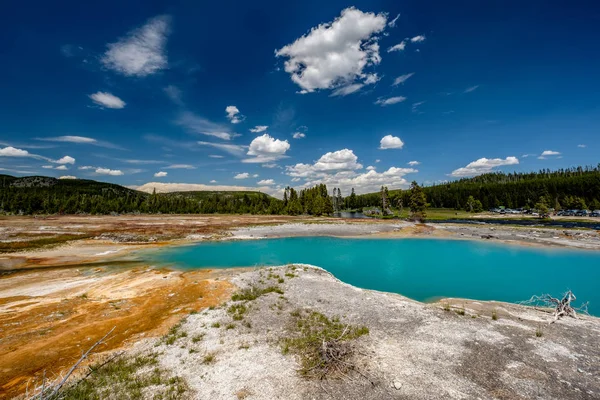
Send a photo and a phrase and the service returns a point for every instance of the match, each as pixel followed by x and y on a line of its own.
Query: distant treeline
pixel 576 188
pixel 573 188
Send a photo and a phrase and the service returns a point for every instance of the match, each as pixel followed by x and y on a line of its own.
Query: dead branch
pixel 51 392
pixel 562 307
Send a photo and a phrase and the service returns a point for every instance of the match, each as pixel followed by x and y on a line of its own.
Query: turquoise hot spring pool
pixel 422 269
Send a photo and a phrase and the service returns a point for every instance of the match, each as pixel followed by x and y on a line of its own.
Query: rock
pixel 397 385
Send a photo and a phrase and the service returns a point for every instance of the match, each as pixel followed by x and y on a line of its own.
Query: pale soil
pixel 55 301
pixel 413 350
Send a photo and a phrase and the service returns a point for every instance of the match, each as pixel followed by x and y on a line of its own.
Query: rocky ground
pixel 448 350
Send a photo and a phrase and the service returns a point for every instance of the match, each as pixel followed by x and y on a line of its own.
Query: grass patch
pixel 323 345
pixel 494 315
pixel 174 334
pixel 216 325
pixel 127 378
pixel 209 358
pixel 253 293
pixel 230 326
pixel 290 275
pixel 237 311
pixel 198 338
pixel 446 306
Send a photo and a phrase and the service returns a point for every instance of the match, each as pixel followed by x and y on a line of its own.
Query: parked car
pixel 582 213
pixel 595 213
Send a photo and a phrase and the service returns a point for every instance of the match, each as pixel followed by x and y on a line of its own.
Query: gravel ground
pixel 413 350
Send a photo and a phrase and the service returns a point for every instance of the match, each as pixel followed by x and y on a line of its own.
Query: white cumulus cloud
pixel 548 153
pixel 266 182
pixel 65 160
pixel 160 174
pixel 107 100
pixel 483 166
pixel 234 115
pixel 413 163
pixel 62 168
pixel 243 175
pixel 299 135
pixel 335 54
pixel 266 148
pixel 67 177
pixel 14 152
pixel 390 142
pixel 107 171
pixel 418 39
pixel 142 51
pixel 340 169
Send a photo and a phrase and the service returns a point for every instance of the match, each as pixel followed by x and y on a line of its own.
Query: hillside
pixel 46 195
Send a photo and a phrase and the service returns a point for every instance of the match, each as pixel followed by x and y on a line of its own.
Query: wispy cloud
pixel 390 100
pixel 402 78
pixel 234 149
pixel 174 93
pixel 80 140
pixel 142 51
pixel 392 23
pixel 180 166
pixel 415 106
pixel 471 89
pixel 259 128
pixel 418 39
pixel 196 124
pixel 398 47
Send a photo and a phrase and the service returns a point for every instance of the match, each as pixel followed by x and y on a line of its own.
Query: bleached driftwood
pixel 562 307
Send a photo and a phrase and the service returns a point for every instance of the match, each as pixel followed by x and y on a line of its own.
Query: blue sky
pixel 269 94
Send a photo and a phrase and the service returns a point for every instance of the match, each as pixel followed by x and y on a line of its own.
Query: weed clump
pixel 323 345
pixel 494 315
pixel 174 333
pixel 209 358
pixel 253 293
pixel 237 311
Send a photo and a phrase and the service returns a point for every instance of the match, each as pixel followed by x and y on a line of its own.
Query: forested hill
pixel 45 195
pixel 575 188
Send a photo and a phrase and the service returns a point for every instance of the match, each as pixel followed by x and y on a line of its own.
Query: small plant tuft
pixel 253 293
pixel 494 315
pixel 539 332
pixel 209 358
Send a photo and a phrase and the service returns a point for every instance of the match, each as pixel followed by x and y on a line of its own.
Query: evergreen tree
pixel 418 202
